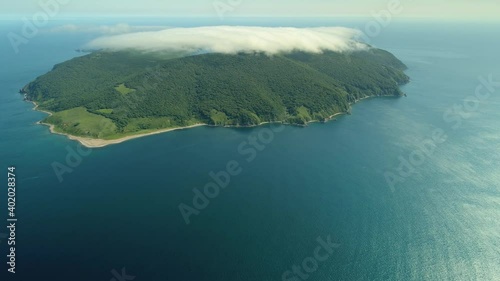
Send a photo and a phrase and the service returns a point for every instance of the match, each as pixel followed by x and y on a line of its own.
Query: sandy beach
pixel 95 143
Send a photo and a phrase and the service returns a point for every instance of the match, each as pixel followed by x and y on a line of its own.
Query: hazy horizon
pixel 461 10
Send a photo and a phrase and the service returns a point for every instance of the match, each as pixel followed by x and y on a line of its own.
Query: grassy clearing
pixel 218 118
pixel 79 122
pixel 124 90
pixel 138 126
pixel 303 113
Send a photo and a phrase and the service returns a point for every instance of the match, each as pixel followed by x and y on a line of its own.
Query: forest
pixel 113 94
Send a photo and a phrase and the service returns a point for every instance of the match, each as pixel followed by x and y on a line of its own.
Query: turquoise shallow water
pixel 119 207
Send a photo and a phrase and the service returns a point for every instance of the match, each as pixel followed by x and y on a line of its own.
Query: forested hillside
pixel 113 94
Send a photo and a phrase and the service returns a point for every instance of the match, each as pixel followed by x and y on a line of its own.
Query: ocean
pixel 403 189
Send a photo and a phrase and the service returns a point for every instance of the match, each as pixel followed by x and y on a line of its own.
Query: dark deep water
pixel 119 207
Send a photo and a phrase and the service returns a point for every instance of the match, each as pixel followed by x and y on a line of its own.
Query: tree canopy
pixel 146 91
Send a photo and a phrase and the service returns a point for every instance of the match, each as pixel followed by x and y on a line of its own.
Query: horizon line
pixel 10 15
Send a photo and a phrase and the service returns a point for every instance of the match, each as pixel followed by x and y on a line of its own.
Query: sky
pixel 440 9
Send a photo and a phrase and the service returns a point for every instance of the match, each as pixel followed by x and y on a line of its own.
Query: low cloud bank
pixel 235 39
pixel 104 29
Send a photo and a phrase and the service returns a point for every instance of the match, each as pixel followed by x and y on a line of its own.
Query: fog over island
pixel 235 39
pixel 290 75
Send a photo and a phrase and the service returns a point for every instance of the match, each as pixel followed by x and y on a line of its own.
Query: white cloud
pixel 234 39
pixel 104 29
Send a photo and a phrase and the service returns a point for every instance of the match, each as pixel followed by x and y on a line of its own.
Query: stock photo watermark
pixel 31 26
pixel 220 180
pixel 74 158
pixel 382 19
pixel 456 115
pixel 310 264
pixel 121 276
pixel 12 250
pixel 222 7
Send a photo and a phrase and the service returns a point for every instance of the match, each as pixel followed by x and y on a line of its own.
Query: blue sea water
pixel 119 208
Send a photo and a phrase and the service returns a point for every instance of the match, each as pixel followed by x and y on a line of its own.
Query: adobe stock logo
pixel 30 29
pixel 225 6
pixel 123 276
pixel 74 158
pixel 311 264
pixel 220 180
pixel 455 117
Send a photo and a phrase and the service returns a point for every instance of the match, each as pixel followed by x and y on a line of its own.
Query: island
pixel 107 97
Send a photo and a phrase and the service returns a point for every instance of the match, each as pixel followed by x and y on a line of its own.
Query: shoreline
pixel 98 143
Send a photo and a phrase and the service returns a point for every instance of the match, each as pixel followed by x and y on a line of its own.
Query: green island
pixel 114 95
